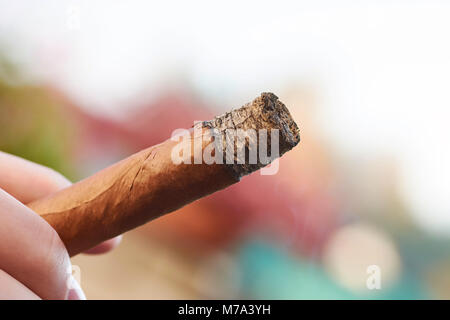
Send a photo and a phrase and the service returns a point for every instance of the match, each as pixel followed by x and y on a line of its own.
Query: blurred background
pixel 362 200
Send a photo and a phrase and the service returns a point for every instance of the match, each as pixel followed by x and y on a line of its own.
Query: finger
pixel 75 292
pixel 31 251
pixel 105 246
pixel 27 181
pixel 11 289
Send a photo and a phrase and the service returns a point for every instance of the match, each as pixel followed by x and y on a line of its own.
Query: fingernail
pixel 75 291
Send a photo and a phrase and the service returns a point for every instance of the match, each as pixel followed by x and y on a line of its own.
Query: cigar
pixel 167 176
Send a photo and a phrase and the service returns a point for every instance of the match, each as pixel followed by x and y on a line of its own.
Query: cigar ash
pixel 245 139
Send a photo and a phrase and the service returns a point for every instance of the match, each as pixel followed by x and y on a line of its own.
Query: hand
pixel 34 264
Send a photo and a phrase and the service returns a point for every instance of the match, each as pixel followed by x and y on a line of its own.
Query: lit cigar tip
pixel 265 113
pixel 278 117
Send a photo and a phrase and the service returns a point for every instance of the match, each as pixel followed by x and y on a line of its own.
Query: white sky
pixel 383 66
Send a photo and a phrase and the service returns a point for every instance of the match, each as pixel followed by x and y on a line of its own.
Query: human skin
pixel 34 262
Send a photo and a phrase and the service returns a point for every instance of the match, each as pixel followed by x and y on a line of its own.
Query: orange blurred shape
pixel 204 224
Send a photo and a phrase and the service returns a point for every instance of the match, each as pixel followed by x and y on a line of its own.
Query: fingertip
pixel 105 246
pixel 43 260
pixel 51 181
pixel 75 292
pixel 28 181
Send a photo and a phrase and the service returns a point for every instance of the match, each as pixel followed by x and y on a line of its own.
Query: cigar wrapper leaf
pixel 149 184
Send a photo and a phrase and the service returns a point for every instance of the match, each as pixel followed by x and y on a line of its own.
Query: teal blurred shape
pixel 270 272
